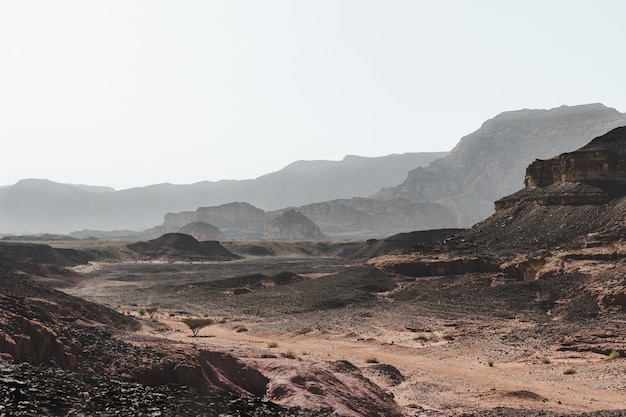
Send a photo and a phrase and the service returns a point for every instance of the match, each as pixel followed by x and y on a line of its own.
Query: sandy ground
pixel 443 376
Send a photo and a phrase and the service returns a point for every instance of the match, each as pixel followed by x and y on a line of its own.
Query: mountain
pixel 36 206
pixel 490 163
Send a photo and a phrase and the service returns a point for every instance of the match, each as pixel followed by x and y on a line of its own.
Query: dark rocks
pixel 182 247
pixel 26 390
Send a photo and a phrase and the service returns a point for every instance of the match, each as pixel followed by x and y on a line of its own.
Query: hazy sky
pixel 129 93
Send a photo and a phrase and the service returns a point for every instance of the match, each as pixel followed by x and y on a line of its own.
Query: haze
pixel 131 93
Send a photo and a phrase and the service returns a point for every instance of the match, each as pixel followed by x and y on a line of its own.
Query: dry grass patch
pixel 544 360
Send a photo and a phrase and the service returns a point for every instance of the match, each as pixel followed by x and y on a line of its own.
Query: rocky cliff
pixel 292 225
pixel 601 162
pixel 490 163
pixel 592 175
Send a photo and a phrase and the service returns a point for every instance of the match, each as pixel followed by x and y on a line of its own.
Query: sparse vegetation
pixel 412 405
pixel 490 363
pixel 272 345
pixel 421 338
pixel 240 329
pixel 448 336
pixel 197 324
pixel 371 359
pixel 545 360
pixel 142 312
pixel 223 320
pixel 152 311
pixel 290 355
pixel 613 355
pixel 569 371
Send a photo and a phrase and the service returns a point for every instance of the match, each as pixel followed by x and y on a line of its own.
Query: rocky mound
pixel 293 225
pixel 181 247
pixel 202 231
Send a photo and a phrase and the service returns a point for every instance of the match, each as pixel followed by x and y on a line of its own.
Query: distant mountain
pixel 37 206
pixel 491 162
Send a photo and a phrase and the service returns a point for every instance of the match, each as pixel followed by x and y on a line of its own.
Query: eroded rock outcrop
pixel 293 225
pixel 592 175
pixel 601 162
pixel 202 231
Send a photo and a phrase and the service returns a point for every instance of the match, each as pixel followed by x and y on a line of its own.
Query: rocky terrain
pixel 523 314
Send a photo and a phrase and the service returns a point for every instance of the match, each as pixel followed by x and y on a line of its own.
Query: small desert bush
pixel 448 336
pixel 240 329
pixel 142 312
pixel 152 311
pixel 490 363
pixel 196 324
pixel 290 355
pixel 613 355
pixel 412 405
pixel 371 359
pixel 545 360
pixel 272 344
pixel 569 371
pixel 421 338
pixel 223 320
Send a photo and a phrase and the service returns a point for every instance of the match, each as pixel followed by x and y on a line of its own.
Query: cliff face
pixel 602 161
pixel 591 175
pixel 490 163
pixel 292 225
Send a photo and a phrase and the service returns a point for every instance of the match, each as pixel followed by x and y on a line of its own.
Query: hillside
pixel 490 163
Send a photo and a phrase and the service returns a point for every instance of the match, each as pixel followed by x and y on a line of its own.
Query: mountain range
pixel 366 197
pixel 37 205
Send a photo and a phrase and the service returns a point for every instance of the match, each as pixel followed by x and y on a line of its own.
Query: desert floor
pixel 461 343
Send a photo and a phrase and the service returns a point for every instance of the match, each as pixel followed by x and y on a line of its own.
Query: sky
pixel 128 93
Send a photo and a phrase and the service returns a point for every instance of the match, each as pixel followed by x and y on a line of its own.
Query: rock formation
pixel 292 225
pixel 202 231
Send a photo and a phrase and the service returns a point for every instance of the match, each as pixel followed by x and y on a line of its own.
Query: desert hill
pixel 490 163
pixel 181 247
pixel 202 231
pixel 37 206
pixel 293 225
